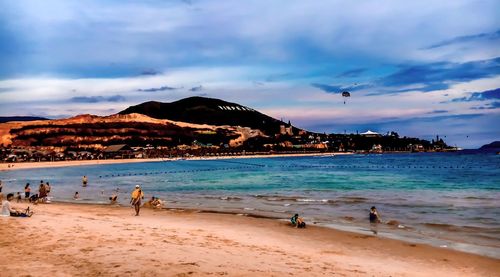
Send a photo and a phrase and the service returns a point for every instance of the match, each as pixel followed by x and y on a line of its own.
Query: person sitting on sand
pixel 113 199
pixel 155 202
pixel 27 191
pixel 76 196
pixel 374 216
pixel 136 197
pixel 84 181
pixel 7 209
pixel 297 221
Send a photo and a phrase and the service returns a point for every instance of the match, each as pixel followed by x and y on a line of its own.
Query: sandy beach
pixel 29 165
pixel 92 240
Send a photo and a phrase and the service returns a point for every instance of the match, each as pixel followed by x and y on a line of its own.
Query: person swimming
pixel 374 216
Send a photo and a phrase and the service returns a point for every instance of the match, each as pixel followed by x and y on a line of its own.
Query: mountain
pixel 494 146
pixel 202 110
pixel 4 119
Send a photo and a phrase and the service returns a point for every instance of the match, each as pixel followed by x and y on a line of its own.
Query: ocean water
pixel 443 199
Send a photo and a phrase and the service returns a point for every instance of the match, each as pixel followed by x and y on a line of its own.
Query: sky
pixel 421 68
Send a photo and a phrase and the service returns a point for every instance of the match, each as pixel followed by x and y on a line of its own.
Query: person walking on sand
pixel 27 191
pixel 85 180
pixel 135 199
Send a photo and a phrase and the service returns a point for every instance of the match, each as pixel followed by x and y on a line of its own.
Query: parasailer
pixel 345 94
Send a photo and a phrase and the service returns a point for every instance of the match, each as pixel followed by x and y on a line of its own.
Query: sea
pixel 448 200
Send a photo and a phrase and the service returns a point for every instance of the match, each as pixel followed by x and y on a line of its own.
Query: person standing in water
pixel 84 181
pixel 374 216
pixel 135 199
pixel 27 191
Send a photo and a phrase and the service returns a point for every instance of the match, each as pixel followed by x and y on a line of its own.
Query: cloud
pixel 96 99
pixel 198 88
pixel 468 38
pixel 163 88
pixel 493 94
pixel 351 73
pixel 437 73
pixel 278 77
pixel 437 112
pixel 150 72
pixel 488 106
pixel 340 88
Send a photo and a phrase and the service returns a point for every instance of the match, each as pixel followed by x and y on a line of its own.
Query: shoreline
pixel 91 240
pixel 31 165
pixel 385 231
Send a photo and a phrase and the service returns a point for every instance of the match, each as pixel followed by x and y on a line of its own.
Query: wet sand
pixel 93 240
pixel 29 165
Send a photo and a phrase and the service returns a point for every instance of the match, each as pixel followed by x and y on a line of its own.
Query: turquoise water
pixel 444 199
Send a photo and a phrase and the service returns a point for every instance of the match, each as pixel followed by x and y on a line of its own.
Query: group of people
pixel 41 196
pixel 136 198
pixel 8 210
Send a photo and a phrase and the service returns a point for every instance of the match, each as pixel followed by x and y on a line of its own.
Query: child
pixel 18 197
pixel 297 221
pixel 374 216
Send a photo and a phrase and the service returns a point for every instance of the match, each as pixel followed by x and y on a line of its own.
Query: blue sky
pixel 423 69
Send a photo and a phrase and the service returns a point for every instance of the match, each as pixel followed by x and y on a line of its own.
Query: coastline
pixel 91 240
pixel 31 165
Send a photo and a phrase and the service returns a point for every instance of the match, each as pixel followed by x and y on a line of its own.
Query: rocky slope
pixel 133 129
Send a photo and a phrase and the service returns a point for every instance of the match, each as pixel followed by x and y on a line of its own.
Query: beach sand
pixel 93 240
pixel 29 165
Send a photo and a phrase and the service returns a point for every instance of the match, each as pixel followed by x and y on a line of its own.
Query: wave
pixel 454 228
pixel 312 200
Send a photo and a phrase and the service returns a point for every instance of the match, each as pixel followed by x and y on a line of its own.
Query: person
pixel 27 191
pixel 47 188
pixel 42 193
pixel 18 197
pixel 33 199
pixel 1 186
pixel 374 216
pixel 155 202
pixel 84 181
pixel 113 199
pixel 7 209
pixel 136 197
pixel 297 221
pixel 76 196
